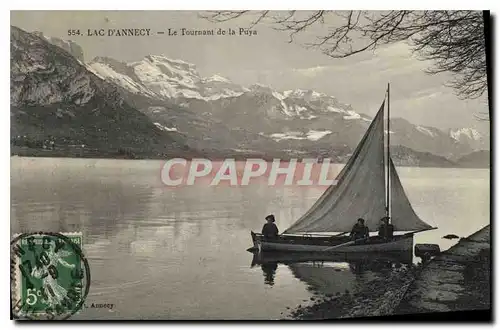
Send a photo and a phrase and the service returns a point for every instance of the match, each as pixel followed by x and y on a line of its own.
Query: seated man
pixel 270 230
pixel 385 230
pixel 359 230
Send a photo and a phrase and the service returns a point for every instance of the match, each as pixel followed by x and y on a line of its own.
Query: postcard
pixel 250 165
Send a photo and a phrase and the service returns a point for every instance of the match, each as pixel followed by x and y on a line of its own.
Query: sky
pixel 269 58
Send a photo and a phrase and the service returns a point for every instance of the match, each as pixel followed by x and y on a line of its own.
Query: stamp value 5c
pixel 50 275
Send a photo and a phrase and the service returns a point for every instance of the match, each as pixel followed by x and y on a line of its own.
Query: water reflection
pixel 330 273
pixel 97 207
pixel 179 253
pixel 378 265
pixel 269 270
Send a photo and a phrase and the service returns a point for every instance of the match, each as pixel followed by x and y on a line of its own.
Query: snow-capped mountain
pixel 297 119
pixel 467 133
pixel 218 116
pixel 178 81
pixel 215 87
pixel 164 78
pixel 471 137
pixel 55 100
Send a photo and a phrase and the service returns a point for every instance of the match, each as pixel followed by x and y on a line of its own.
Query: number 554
pixel 73 32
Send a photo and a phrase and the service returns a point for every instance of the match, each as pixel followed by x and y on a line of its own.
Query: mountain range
pixel 209 116
pixel 57 105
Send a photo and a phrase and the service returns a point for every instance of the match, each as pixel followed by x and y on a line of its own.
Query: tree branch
pixel 452 40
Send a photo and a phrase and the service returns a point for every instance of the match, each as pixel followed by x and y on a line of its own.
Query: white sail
pixel 359 192
pixel 403 217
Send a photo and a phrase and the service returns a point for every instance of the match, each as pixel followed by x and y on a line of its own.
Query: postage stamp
pixel 50 277
pixel 250 164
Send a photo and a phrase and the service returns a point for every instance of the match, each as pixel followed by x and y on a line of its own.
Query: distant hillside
pixel 60 108
pixel 68 45
pixel 159 107
pixel 476 159
pixel 404 156
pixel 257 118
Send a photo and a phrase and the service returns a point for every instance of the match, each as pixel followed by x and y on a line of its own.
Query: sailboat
pixel 368 187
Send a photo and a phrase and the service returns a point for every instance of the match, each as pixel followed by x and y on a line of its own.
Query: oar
pixel 344 244
pixel 341 234
pixel 419 231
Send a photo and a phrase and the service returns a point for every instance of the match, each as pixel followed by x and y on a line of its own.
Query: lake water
pixel 158 252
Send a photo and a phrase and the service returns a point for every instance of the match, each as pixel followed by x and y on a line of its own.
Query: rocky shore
pixel 458 279
pixel 379 297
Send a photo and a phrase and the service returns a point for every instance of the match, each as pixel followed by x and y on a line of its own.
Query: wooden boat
pixel 296 243
pixel 368 187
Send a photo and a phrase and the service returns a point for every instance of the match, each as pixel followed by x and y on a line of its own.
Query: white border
pixel 254 5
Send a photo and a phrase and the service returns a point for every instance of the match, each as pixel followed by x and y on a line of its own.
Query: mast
pixel 388 182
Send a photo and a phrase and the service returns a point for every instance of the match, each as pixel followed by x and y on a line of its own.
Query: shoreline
pixel 40 153
pixel 458 279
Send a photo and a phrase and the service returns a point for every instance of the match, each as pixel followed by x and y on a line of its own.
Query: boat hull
pixel 324 244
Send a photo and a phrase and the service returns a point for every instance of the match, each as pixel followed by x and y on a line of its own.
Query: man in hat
pixel 385 230
pixel 270 230
pixel 359 230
